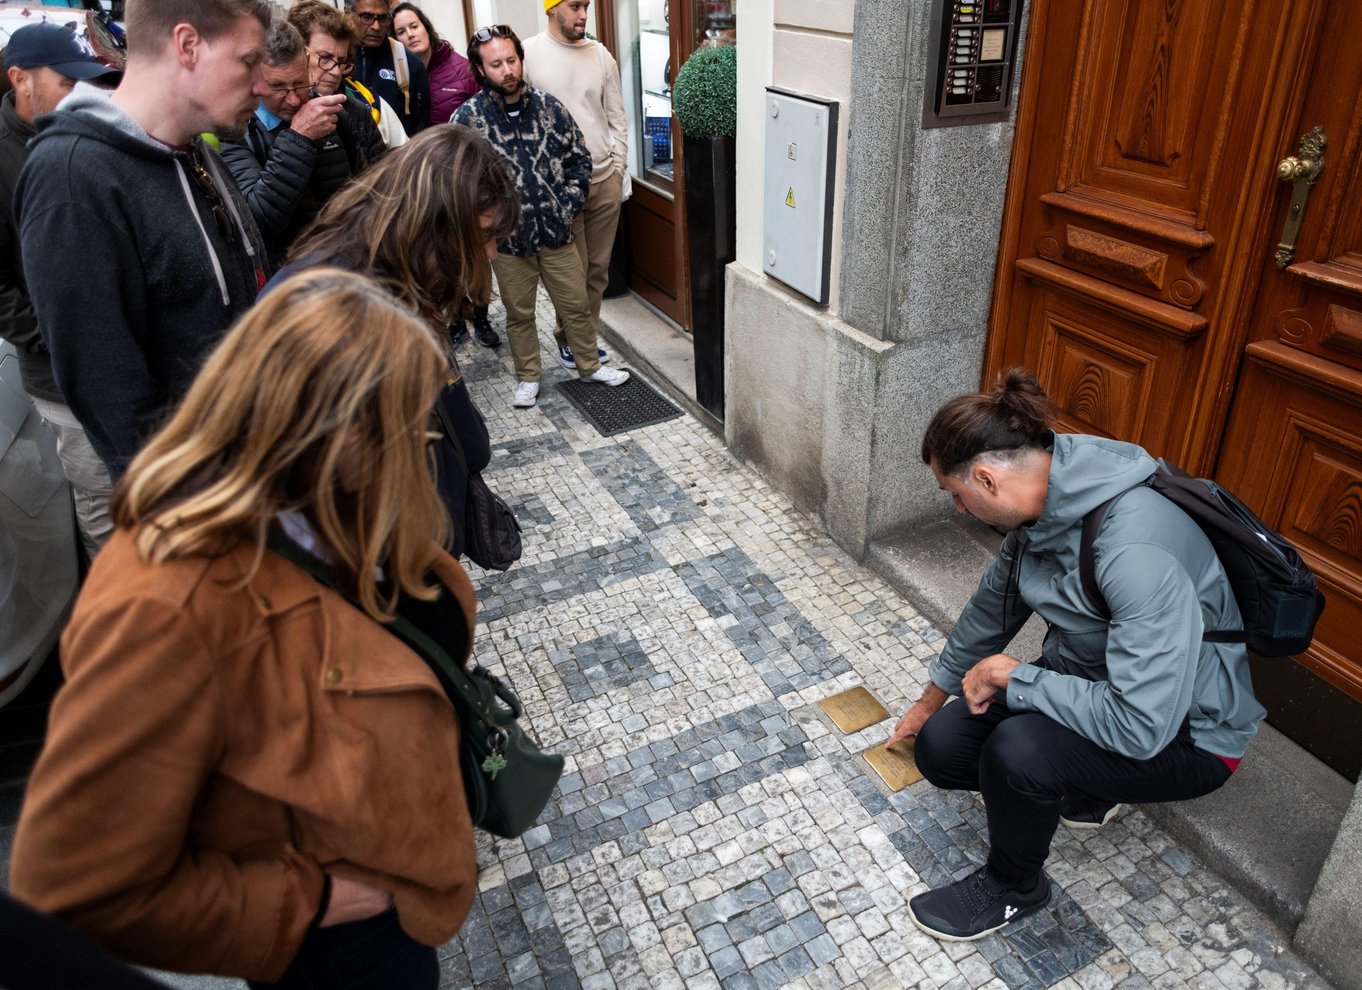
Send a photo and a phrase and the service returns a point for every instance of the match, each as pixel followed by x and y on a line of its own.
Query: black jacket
pixel 374 67
pixel 286 178
pixel 548 157
pixel 135 268
pixel 18 322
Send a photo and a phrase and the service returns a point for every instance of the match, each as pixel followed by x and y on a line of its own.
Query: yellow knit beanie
pixel 550 4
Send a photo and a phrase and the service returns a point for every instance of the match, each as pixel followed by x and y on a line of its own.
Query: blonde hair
pixel 316 402
pixel 414 220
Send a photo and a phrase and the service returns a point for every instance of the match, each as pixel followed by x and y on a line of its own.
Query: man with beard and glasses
pixel 552 167
pixel 583 75
pixel 385 67
pixel 43 62
pixel 123 187
pixel 1145 700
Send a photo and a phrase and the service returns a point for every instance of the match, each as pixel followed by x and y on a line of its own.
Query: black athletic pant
pixel 1025 763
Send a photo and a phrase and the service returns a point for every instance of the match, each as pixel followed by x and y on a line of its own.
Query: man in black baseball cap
pixel 43 62
pixel 55 59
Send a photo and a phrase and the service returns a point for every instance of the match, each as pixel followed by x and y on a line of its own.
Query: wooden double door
pixel 1141 276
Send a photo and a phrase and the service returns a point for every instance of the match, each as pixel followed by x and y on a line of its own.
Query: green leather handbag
pixel 507 778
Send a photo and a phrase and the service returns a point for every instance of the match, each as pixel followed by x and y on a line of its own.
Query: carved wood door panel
pixel 1139 174
pixel 1135 271
pixel 1293 447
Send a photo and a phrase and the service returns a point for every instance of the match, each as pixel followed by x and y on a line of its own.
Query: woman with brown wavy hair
pixel 246 773
pixel 424 222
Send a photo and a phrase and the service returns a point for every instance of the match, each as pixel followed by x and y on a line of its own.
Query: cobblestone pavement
pixel 670 629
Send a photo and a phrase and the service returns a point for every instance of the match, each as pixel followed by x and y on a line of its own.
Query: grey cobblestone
pixel 669 629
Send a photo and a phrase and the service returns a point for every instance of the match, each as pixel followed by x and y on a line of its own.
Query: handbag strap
pixel 452 673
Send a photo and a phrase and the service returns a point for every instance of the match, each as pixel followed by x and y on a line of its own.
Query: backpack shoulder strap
pixel 1087 557
pixel 1087 563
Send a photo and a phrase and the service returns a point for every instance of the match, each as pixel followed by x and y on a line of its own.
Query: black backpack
pixel 1278 598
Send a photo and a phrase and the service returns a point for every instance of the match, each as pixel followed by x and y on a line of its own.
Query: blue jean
pixel 370 954
pixel 1025 763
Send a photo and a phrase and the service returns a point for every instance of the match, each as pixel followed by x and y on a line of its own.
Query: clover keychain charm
pixel 494 764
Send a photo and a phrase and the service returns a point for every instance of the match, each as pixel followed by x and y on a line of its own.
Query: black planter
pixel 710 231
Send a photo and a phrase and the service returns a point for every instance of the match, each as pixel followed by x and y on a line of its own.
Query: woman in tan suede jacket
pixel 246 773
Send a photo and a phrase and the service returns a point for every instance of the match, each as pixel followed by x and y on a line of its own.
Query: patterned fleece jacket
pixel 547 155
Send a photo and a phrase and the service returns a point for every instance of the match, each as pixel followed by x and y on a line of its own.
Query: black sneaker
pixel 482 328
pixel 1075 813
pixel 458 334
pixel 975 906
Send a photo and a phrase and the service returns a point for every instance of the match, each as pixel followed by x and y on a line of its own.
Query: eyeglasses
pixel 486 34
pixel 205 182
pixel 301 89
pixel 328 62
pixel 368 18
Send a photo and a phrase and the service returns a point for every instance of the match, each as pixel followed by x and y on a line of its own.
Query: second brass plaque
pixel 853 710
pixel 896 766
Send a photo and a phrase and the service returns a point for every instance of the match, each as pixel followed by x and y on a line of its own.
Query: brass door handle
pixel 1301 170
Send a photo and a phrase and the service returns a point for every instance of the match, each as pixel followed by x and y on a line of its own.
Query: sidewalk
pixel 670 629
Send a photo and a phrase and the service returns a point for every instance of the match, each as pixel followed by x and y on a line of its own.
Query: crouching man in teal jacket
pixel 1131 708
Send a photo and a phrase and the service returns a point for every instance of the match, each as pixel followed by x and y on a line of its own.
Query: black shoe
pixel 458 334
pixel 482 327
pixel 975 906
pixel 1075 813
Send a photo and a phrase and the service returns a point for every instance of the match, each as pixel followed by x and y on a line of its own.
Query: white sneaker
pixel 607 376
pixel 525 394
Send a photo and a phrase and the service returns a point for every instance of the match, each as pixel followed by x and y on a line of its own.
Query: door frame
pixel 681 41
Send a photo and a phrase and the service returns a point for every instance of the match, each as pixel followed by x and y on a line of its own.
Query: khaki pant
pixel 593 234
pixel 518 280
pixel 89 478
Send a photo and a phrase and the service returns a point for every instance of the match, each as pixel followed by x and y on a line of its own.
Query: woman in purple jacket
pixel 451 80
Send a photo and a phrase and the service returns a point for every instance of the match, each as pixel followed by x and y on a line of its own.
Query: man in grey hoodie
pixel 138 250
pixel 1134 707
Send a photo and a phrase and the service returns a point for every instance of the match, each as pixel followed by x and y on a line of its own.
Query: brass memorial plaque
pixel 895 766
pixel 851 711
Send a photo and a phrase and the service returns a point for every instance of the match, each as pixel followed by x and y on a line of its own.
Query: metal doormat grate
pixel 630 406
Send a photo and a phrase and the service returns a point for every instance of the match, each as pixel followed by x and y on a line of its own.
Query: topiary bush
pixel 705 93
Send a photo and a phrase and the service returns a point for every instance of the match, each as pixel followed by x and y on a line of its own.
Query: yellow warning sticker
pixel 789 198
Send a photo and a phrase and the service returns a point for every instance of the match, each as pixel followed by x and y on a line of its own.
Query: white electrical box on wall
pixel 801 152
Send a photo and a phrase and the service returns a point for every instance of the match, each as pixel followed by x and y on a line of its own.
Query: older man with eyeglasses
pixel 294 153
pixel 385 67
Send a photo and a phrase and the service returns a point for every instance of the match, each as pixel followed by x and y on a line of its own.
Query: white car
pixel 38 543
pixel 105 42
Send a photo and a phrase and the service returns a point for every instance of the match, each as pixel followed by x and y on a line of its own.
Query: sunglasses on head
pixel 485 34
pixel 368 18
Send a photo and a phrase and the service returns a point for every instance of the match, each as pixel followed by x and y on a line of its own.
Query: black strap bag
pixel 507 778
pixel 1278 597
pixel 490 531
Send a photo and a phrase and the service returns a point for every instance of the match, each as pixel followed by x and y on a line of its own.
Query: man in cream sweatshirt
pixel 584 77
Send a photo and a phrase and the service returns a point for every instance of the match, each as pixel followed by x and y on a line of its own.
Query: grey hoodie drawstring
pixel 230 203
pixel 194 212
